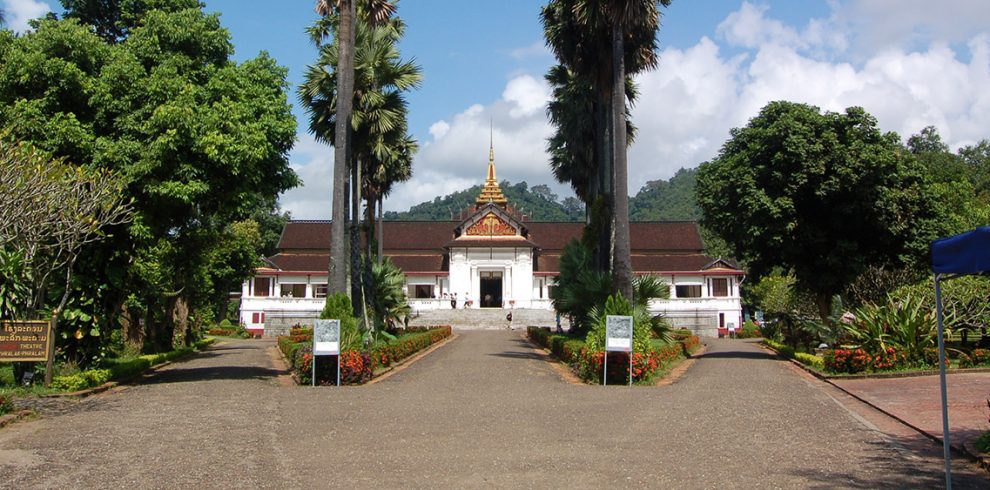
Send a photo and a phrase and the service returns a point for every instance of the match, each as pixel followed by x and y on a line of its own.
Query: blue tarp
pixel 966 253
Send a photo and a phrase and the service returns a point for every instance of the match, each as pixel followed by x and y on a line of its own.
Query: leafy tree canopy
pixel 147 89
pixel 822 195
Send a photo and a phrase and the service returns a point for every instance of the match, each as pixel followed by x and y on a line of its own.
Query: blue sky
pixel 908 63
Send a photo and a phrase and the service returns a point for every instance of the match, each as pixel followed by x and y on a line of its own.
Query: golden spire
pixel 492 192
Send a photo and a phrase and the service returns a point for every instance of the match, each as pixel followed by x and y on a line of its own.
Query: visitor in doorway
pixel 453 301
pixel 487 301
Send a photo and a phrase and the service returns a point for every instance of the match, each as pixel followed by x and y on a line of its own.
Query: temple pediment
pixel 491 220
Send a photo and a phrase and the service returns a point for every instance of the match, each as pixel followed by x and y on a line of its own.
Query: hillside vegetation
pixel 658 200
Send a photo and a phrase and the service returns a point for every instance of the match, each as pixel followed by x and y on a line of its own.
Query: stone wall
pixel 487 318
pixel 279 323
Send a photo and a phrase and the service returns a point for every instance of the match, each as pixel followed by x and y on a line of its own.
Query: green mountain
pixel 538 203
pixel 658 200
pixel 667 200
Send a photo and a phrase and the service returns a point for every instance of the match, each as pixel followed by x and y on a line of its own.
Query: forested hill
pixel 667 200
pixel 538 203
pixel 658 200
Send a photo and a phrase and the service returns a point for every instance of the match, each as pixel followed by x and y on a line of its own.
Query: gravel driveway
pixel 483 411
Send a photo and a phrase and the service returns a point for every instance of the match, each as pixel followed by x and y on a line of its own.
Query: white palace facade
pixel 492 258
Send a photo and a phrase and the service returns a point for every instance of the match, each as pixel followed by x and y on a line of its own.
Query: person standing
pixel 453 301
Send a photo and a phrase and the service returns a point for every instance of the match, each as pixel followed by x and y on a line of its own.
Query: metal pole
pixel 605 370
pixel 314 366
pixel 941 378
pixel 630 366
pixel 338 368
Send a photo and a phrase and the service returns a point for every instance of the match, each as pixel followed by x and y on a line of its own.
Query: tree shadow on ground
pixel 524 351
pixel 736 355
pixel 923 457
pixel 185 375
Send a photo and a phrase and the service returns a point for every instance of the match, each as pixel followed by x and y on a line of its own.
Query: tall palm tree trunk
pixel 341 151
pixel 621 260
pixel 381 234
pixel 355 238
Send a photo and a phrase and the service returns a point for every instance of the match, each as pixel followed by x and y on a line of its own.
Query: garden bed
pixel 864 365
pixel 114 369
pixel 356 366
pixel 647 366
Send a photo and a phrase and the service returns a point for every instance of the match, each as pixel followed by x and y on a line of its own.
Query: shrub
pixel 810 360
pixel 6 404
pixel 848 361
pixel 976 358
pixel 749 331
pixel 338 306
pixel 386 353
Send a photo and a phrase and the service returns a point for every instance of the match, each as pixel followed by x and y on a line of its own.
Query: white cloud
pixel 313 161
pixel 457 156
pixel 688 105
pixel 528 94
pixel 882 24
pixel 19 12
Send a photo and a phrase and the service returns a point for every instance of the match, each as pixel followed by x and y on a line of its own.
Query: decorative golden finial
pixel 492 192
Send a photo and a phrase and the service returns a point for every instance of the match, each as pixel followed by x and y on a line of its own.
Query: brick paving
pixel 485 410
pixel 917 401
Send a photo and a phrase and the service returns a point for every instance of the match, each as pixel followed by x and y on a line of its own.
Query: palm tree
pixel 627 17
pixel 389 299
pixel 381 150
pixel 378 11
pixel 601 44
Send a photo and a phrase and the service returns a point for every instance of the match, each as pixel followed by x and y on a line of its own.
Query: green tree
pixel 822 195
pixel 599 44
pixel 382 148
pixel 379 12
pixel 201 142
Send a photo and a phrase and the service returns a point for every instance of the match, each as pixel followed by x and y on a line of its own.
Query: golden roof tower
pixel 492 192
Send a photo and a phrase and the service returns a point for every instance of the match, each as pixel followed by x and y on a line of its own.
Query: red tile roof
pixel 418 246
pixel 319 263
pixel 643 236
pixel 495 241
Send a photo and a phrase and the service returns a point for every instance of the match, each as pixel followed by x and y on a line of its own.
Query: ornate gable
pixel 491 220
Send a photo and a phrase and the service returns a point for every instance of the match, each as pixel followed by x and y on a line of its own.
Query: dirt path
pixel 484 410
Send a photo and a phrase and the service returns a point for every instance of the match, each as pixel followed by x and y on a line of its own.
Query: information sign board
pixel 618 333
pixel 25 340
pixel 326 337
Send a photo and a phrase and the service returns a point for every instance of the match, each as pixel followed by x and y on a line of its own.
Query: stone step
pixel 486 318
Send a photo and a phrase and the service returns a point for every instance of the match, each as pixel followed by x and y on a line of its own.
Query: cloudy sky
pixel 909 63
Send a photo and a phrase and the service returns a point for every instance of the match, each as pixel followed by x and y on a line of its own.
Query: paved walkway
pixel 917 401
pixel 483 411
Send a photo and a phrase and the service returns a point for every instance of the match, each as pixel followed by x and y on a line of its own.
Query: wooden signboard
pixel 26 341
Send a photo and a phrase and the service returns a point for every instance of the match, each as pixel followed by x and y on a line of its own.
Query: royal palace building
pixel 491 258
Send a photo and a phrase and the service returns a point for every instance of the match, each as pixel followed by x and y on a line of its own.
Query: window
pixel 692 291
pixel 261 286
pixel 293 291
pixel 421 291
pixel 258 317
pixel 551 290
pixel 319 290
pixel 720 287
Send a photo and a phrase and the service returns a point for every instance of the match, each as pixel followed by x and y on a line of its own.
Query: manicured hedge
pixel 356 367
pixel 787 351
pixel 116 369
pixel 589 365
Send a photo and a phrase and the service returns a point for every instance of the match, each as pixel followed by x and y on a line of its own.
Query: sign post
pixel 618 338
pixel 326 342
pixel 25 341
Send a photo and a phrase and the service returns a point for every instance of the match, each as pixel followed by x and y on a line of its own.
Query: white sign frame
pixel 326 342
pixel 618 338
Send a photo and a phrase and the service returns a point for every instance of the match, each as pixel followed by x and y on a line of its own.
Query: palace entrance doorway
pixel 491 289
